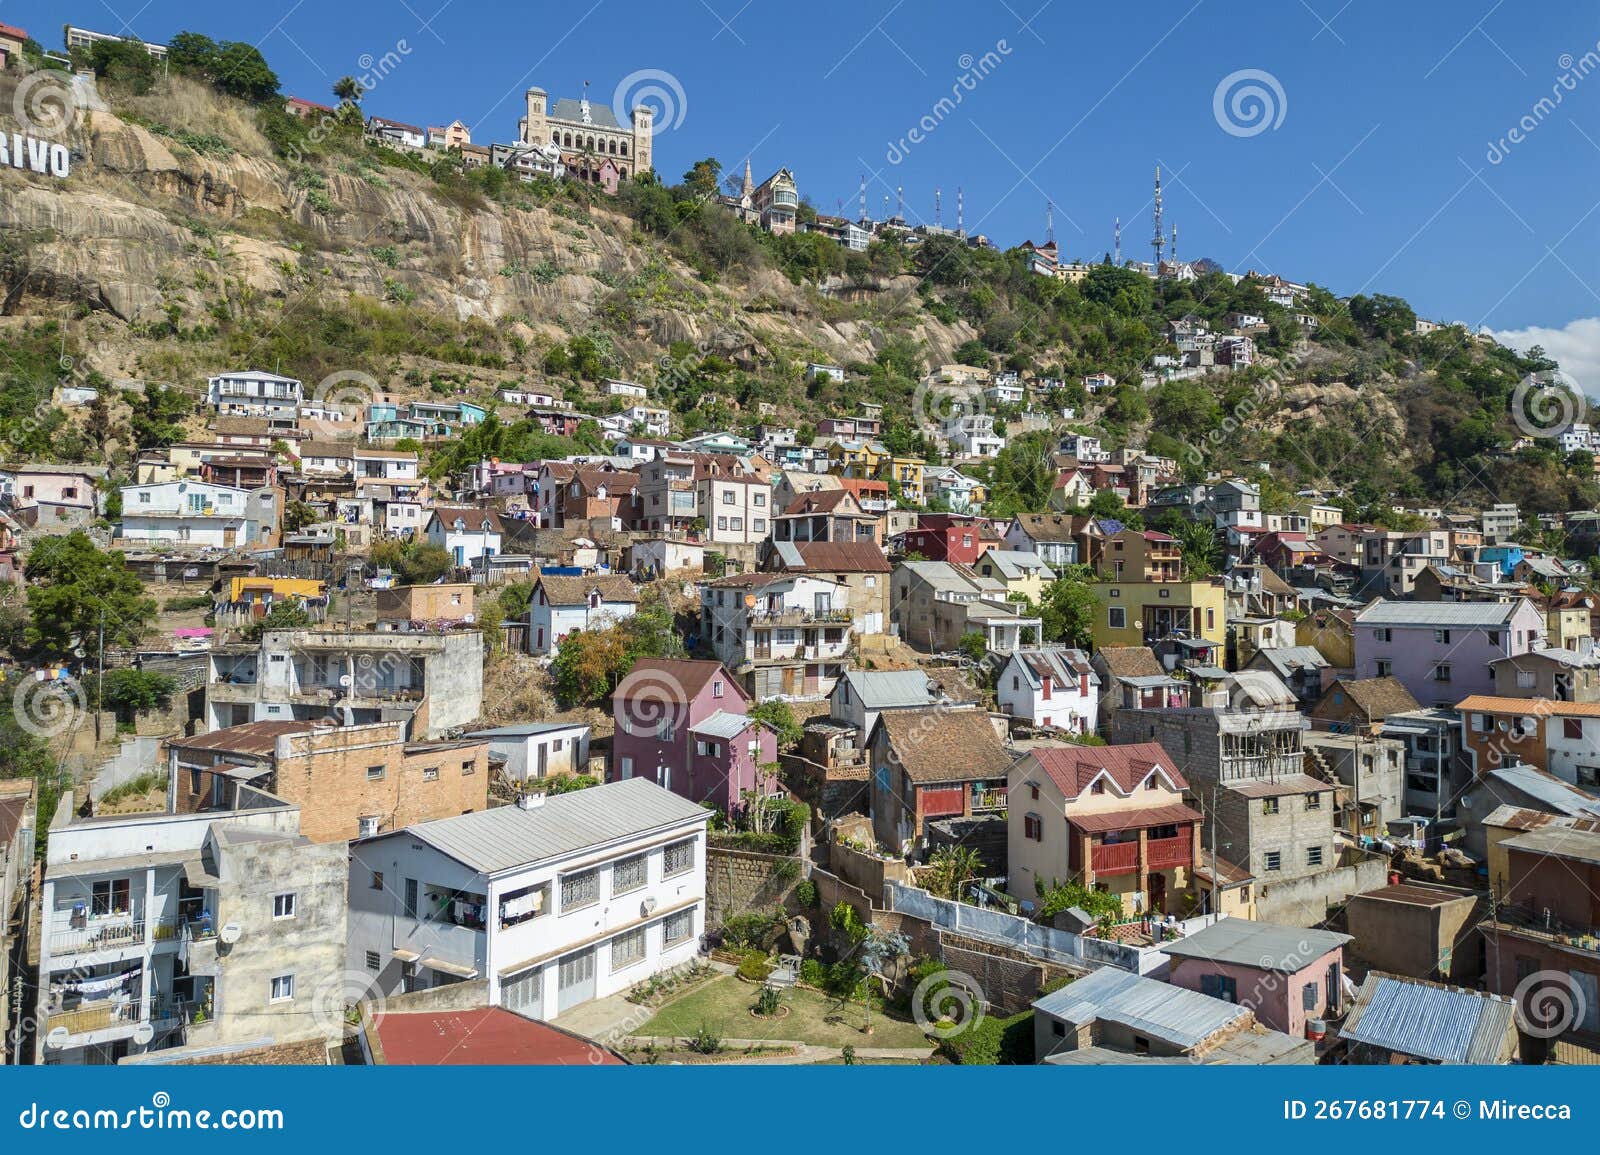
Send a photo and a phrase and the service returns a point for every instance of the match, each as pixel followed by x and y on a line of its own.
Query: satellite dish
pixel 230 932
pixel 143 1033
pixel 647 907
pixel 58 1037
pixel 344 679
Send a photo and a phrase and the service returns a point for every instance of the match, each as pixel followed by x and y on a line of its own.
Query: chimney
pixel 531 800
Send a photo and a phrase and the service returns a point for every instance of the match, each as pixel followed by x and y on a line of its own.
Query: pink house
pixel 684 725
pixel 1284 974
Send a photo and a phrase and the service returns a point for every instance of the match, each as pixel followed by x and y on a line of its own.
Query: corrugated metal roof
pixel 1263 946
pixel 1466 615
pixel 527 730
pixel 1560 841
pixel 1182 1018
pixel 724 724
pixel 491 841
pixel 1444 1024
pixel 1546 789
pixel 888 689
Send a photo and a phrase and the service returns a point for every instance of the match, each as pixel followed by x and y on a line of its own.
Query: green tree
pixel 780 716
pixel 1068 608
pixel 129 691
pixel 348 89
pixel 74 590
pixel 285 615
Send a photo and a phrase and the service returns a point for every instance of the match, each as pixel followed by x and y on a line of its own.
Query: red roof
pixel 1073 768
pixel 13 32
pixel 486 1036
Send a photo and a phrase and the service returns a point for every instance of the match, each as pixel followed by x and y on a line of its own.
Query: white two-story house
pixel 561 604
pixel 252 393
pixel 199 513
pixel 1050 686
pixel 554 901
pixel 466 532
pixel 782 635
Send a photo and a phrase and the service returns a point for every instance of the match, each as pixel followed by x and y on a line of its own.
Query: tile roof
pixel 475 519
pixel 682 678
pixel 506 837
pixel 1169 815
pixel 1377 698
pixel 945 745
pixel 1131 661
pixel 1073 768
pixel 1059 527
pixel 573 590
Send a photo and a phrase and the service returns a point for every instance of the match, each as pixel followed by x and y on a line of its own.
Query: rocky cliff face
pixel 148 228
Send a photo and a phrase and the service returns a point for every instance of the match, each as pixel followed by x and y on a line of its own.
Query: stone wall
pixel 866 872
pixel 739 881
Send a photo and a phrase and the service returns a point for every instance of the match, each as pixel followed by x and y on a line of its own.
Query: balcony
pixel 1115 858
pixel 98 1016
pixel 795 617
pixel 1165 853
pixel 988 801
pixel 1528 923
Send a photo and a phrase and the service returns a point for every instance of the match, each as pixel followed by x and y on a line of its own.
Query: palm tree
pixel 950 868
pixel 348 89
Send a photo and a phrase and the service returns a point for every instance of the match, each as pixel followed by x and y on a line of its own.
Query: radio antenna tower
pixel 1049 222
pixel 1159 242
pixel 1174 242
pixel 900 202
pixel 1116 242
pixel 938 208
pixel 961 223
pixel 863 197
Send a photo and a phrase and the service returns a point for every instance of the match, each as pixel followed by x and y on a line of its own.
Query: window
pixel 1117 618
pixel 678 858
pixel 374 773
pixel 1223 987
pixel 716 689
pixel 1308 996
pixel 111 897
pixel 374 962
pixel 1269 805
pixel 282 989
pixel 1032 828
pixel 1383 635
pixel 1058 1028
pixel 366 827
pixel 727 497
pixel 1441 672
pixel 1383 668
pixel 1273 860
pixel 1035 789
pixel 627 766
pixel 1441 637
pixel 1313 856
pixel 627 949
pixel 676 928
pixel 469 767
pixel 377 880
pixel 1572 728
pixel 1098 786
pixel 283 905
pixel 630 873
pixel 1526 680
pixel 430 774
pixel 580 890
pixel 1314 801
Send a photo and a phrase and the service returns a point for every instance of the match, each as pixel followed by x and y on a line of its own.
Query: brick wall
pixel 738 881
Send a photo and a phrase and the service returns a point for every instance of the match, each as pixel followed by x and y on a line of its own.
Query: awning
pixel 407 956
pixel 449 968
pixel 1134 819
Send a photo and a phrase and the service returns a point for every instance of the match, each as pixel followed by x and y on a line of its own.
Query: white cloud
pixel 1575 346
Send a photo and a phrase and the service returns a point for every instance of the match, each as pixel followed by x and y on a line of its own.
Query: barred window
pixel 627 949
pixel 579 890
pixel 630 873
pixel 678 858
pixel 677 927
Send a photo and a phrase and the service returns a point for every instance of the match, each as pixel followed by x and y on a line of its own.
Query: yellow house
pixel 1567 620
pixel 907 472
pixel 1134 613
pixel 1331 632
pixel 1023 574
pixel 856 458
pixel 272 589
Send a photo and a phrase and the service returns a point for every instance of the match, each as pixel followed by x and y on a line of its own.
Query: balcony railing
pixel 1164 853
pixel 764 617
pixel 96 1017
pixel 988 800
pixel 1115 858
pixel 1526 921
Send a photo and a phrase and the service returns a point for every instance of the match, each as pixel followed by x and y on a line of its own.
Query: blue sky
pixel 1374 174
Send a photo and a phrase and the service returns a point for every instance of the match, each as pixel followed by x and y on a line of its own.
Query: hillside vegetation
pixel 204 228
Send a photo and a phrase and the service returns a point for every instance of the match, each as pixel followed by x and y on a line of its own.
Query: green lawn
pixel 724 1005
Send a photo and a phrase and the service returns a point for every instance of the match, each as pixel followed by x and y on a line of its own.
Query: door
pixel 544 761
pixel 1158 894
pixel 1589 987
pixel 575 982
pixel 524 994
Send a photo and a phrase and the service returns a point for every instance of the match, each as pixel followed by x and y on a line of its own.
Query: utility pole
pixel 100 678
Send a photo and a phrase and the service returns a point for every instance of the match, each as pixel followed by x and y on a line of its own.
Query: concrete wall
pixel 867 872
pixel 1440 943
pixel 136 757
pixel 1305 901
